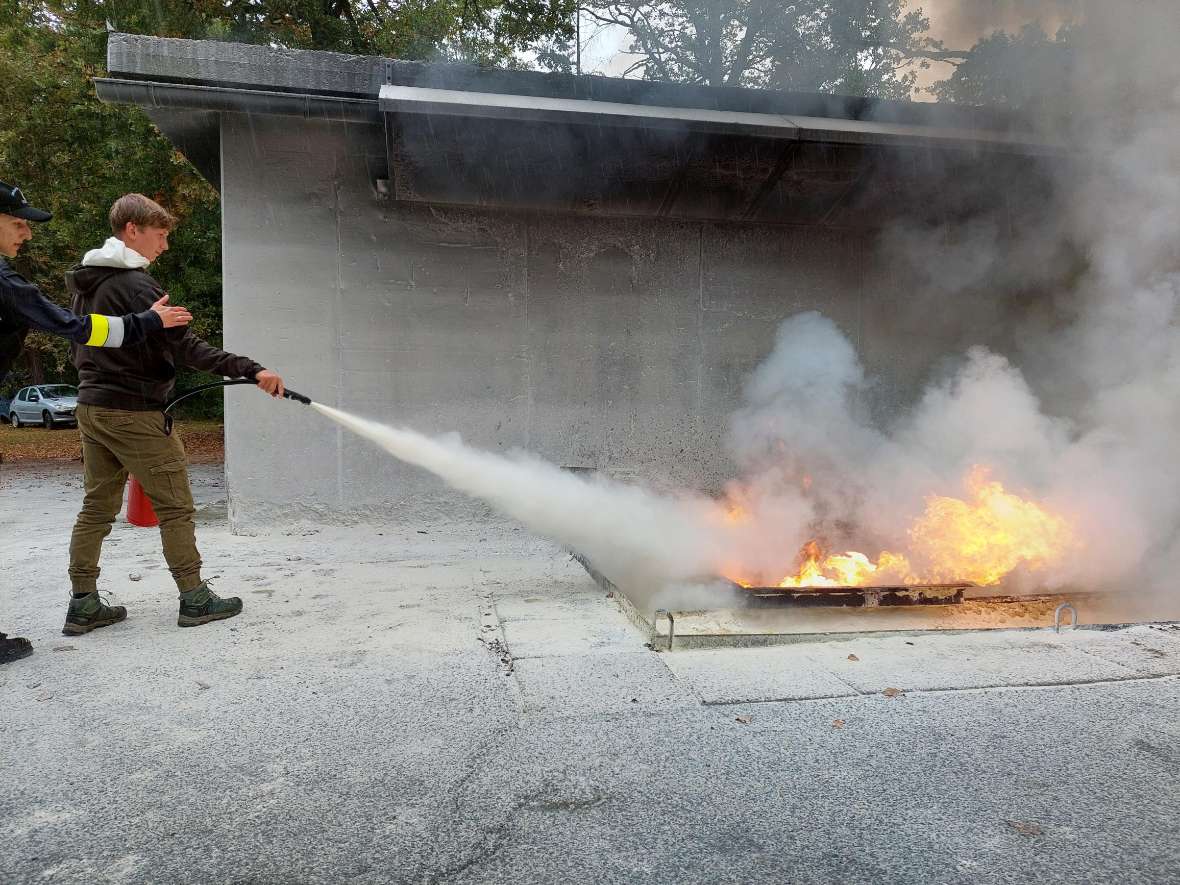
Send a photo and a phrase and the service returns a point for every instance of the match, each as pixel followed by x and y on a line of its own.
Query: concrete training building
pixel 583 267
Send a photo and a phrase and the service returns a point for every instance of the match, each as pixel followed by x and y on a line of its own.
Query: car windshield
pixel 57 391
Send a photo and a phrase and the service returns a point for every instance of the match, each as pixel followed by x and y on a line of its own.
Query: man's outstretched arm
pixel 26 304
pixel 191 351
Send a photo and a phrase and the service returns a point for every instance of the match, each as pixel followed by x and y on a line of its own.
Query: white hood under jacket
pixel 115 253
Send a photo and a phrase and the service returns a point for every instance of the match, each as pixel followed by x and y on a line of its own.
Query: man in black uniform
pixel 23 307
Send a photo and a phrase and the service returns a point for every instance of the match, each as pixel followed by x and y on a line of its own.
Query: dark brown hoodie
pixel 137 378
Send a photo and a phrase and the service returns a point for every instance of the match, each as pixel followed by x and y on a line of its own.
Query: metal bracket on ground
pixel 660 640
pixel 1065 606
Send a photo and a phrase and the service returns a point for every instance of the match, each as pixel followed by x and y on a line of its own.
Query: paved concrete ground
pixel 461 703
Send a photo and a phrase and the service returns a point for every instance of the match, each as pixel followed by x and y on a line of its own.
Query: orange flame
pixel 986 537
pixel 979 540
pixel 851 569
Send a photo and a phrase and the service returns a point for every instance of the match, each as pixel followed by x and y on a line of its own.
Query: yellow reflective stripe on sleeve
pixel 99 329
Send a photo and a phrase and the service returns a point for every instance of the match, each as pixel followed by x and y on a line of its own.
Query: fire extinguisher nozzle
pixel 298 397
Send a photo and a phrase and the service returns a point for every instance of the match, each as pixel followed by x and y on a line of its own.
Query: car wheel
pixel 47 420
pixel 14 420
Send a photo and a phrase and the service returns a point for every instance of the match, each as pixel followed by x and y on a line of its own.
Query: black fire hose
pixel 287 394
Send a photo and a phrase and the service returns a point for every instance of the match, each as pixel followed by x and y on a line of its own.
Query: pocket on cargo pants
pixel 110 418
pixel 168 482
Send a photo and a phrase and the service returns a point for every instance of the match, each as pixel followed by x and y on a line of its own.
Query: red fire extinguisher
pixel 139 507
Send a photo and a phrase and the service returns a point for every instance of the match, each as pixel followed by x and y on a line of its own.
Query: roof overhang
pixel 592 145
pixel 511 151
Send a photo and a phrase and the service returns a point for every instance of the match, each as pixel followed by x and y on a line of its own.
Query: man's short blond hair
pixel 141 211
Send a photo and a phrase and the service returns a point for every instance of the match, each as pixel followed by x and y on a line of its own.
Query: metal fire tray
pixel 857 597
pixel 760 616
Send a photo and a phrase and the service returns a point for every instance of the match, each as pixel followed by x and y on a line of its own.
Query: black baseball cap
pixel 13 202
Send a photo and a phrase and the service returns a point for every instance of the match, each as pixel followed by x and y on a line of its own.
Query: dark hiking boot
pixel 88 613
pixel 13 648
pixel 201 605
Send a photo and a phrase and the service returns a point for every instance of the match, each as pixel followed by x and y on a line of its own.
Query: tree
pixel 75 155
pixel 1029 71
pixel 478 31
pixel 856 47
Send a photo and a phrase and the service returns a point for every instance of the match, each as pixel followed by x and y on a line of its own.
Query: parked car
pixel 49 405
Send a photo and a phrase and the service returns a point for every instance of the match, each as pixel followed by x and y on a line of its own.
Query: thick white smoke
pixel 1082 408
pixel 637 537
pixel 805 427
pixel 959 23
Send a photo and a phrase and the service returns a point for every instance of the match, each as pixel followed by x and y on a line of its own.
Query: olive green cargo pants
pixel 115 443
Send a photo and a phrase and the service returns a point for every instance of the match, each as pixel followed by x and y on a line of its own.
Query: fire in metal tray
pixel 978 539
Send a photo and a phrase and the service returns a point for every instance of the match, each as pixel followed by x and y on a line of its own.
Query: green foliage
pixel 74 155
pixel 479 31
pixel 853 47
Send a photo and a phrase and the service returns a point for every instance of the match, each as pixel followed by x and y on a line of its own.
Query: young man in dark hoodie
pixel 124 430
pixel 23 307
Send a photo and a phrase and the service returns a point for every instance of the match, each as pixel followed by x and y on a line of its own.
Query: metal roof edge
pixel 171 96
pixel 424 100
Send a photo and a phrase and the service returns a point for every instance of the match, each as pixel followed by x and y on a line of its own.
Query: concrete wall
pixel 613 344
